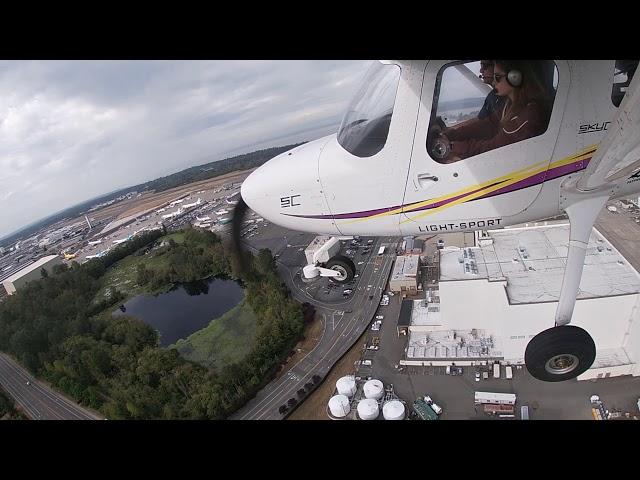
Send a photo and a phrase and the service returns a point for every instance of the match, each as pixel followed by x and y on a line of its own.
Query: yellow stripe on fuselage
pixel 498 183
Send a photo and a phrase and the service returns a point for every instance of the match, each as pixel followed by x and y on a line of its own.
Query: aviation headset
pixel 514 76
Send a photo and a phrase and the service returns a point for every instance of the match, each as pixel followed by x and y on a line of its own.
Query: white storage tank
pixel 374 389
pixel 393 410
pixel 339 406
pixel 346 386
pixel 368 409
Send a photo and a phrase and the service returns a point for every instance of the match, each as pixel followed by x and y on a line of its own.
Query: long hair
pixel 532 88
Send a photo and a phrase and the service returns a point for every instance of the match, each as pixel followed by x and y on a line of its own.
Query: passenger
pixel 524 114
pixel 492 102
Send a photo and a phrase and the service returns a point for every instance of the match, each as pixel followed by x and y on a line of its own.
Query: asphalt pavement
pixel 344 319
pixel 34 398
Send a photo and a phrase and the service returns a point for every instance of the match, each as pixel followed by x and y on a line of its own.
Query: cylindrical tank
pixel 339 406
pixel 374 389
pixel 393 410
pixel 346 386
pixel 368 409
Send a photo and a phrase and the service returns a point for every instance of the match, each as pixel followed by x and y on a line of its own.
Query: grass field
pixel 225 340
pixel 123 274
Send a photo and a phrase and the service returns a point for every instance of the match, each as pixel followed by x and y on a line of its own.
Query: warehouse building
pixel 496 297
pixel 30 272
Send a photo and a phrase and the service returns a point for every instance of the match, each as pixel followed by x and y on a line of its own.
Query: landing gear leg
pixel 566 351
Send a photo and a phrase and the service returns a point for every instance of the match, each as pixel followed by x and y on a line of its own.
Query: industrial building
pixel 30 272
pixel 404 278
pixel 492 299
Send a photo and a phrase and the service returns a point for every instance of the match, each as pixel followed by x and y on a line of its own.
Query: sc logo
pixel 289 201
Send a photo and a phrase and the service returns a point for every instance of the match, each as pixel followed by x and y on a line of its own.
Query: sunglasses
pixel 499 76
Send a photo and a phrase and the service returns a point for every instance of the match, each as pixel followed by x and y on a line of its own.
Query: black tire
pixel 344 265
pixel 560 353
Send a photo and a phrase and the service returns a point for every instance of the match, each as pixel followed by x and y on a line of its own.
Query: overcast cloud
pixel 73 130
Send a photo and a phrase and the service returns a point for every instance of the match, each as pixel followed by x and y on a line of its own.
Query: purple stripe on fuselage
pixel 525 183
pixel 540 178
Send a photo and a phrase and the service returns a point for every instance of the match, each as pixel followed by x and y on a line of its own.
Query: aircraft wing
pixel 618 155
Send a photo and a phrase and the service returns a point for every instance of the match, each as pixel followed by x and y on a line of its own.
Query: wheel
pixel 343 265
pixel 560 353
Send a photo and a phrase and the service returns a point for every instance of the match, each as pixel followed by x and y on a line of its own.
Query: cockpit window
pixel 365 127
pixel 622 76
pixel 482 105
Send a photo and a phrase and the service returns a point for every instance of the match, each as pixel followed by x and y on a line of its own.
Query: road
pixel 35 399
pixel 344 321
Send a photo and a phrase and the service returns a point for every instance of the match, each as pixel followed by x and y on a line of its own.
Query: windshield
pixel 365 126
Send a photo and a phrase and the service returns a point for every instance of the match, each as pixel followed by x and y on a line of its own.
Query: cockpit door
pixel 495 184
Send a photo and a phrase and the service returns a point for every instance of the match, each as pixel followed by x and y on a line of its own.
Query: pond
pixel 186 308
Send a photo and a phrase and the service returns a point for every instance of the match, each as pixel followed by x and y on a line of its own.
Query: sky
pixel 73 130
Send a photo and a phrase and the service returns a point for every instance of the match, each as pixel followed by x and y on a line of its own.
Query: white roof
pixel 405 266
pixel 30 268
pixel 531 261
pixel 424 313
pixel 611 357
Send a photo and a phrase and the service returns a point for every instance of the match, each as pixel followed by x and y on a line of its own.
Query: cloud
pixel 72 130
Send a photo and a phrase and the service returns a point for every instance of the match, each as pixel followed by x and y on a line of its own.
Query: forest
pixel 114 364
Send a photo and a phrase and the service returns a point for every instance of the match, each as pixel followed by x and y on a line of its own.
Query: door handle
pixel 427 176
pixel 425 180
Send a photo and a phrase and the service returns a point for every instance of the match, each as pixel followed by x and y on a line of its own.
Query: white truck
pixel 509 372
pixel 495 398
pixel 496 370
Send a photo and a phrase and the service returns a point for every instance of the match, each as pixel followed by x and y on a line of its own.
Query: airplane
pixel 392 170
pixel 194 204
pixel 122 240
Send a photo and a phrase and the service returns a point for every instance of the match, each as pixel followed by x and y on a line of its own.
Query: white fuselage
pixel 322 188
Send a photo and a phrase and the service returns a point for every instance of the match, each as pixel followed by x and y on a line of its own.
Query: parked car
pixel 379 317
pixel 485 375
pixel 436 408
pixel 347 291
pixel 366 363
pixel 477 376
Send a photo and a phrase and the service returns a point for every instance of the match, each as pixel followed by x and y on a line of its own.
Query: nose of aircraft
pixel 286 190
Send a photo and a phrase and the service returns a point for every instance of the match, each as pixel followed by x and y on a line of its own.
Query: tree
pixel 316 379
pixel 283 409
pixel 301 392
pixel 292 402
pixel 44 273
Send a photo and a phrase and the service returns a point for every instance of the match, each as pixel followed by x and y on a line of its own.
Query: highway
pixel 344 321
pixel 35 399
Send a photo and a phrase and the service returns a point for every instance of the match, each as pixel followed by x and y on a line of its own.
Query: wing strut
pixel 582 215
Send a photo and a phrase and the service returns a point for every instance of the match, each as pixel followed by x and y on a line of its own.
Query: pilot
pixel 523 114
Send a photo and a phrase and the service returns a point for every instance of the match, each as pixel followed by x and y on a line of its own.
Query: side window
pixel 622 76
pixel 482 105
